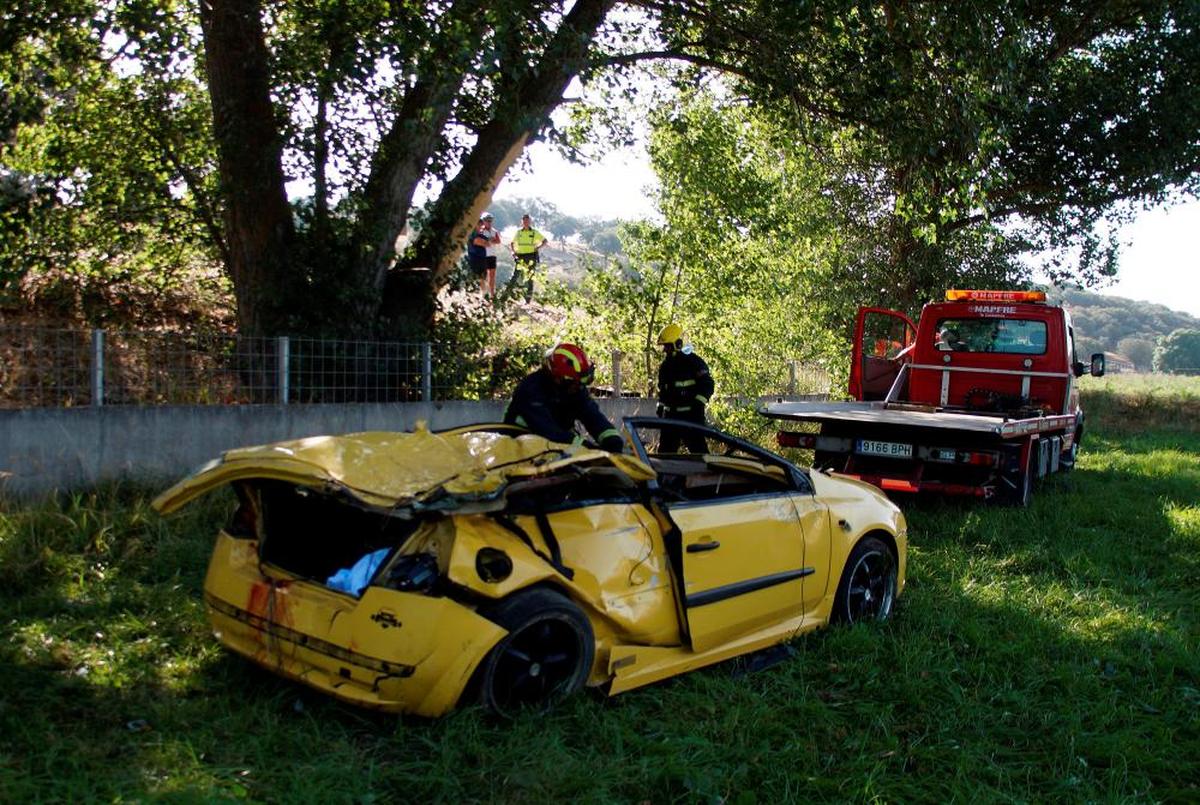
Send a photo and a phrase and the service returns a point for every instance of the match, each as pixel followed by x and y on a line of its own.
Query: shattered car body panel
pixel 518 569
pixel 421 471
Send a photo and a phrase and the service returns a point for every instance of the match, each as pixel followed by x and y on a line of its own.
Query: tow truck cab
pixel 985 351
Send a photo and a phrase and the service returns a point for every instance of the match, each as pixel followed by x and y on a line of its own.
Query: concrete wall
pixel 42 450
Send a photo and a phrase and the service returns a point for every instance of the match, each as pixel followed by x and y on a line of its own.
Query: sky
pixel 1160 254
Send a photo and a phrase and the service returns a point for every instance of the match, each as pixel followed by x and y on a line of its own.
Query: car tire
pixel 545 657
pixel 867 590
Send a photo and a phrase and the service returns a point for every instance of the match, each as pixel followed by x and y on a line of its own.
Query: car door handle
pixel 697 547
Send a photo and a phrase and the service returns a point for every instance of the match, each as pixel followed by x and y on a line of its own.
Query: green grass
pixel 1040 654
pixel 1129 403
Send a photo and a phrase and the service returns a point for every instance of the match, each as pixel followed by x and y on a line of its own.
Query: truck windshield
pixel 1012 336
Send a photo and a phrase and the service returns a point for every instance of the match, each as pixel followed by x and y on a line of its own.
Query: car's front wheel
pixel 545 657
pixel 867 589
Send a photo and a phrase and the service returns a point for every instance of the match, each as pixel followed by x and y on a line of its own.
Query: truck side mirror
pixel 1097 369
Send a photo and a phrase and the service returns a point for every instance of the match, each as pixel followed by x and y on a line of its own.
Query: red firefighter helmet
pixel 568 362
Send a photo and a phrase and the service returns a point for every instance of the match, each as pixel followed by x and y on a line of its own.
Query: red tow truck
pixel 977 398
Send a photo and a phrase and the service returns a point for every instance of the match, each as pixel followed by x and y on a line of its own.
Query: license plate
pixel 868 447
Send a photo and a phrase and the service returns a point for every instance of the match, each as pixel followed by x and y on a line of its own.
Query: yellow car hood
pixel 458 470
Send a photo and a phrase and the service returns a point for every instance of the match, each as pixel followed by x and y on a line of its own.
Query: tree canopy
pixel 1178 352
pixel 332 125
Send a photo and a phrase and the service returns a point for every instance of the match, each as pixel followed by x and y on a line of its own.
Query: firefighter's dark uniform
pixel 551 409
pixel 684 388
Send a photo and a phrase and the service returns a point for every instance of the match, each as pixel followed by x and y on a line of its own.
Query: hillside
pixel 1117 324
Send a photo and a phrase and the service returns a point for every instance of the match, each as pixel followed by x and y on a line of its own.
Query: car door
pixel 743 558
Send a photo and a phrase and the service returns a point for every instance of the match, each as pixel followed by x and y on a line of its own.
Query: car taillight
pixel 787 438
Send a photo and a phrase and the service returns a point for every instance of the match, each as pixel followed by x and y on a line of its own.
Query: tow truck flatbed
pixel 908 415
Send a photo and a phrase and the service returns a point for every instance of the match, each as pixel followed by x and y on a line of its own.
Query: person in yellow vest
pixel 525 246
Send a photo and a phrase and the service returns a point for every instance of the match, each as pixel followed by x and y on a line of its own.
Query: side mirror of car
pixel 1097 369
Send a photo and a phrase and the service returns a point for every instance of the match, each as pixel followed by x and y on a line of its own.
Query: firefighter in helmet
pixel 552 398
pixel 684 388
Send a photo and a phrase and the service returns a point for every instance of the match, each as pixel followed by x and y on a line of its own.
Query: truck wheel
pixel 1066 461
pixel 545 657
pixel 867 589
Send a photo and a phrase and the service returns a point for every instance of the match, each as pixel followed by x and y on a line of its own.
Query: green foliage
pixel 108 171
pixel 769 246
pixel 1041 654
pixel 898 134
pixel 1178 352
pixel 979 112
pixel 482 351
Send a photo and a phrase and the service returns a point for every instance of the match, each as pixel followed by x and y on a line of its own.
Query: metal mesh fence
pixel 44 367
pixel 41 367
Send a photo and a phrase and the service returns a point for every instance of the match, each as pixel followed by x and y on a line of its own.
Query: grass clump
pixel 1039 654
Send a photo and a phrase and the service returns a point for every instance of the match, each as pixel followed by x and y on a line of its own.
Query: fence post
pixel 426 372
pixel 792 378
pixel 281 368
pixel 616 372
pixel 97 368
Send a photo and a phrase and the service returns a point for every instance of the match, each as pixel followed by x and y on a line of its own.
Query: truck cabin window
pixel 1006 336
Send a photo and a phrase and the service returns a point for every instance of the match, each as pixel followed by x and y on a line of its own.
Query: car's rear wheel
pixel 545 657
pixel 867 589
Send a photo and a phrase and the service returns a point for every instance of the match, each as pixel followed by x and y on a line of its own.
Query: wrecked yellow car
pixel 413 571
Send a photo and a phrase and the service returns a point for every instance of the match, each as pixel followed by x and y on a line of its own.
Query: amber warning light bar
pixel 995 296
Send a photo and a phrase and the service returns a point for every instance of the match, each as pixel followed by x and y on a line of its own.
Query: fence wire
pixel 46 367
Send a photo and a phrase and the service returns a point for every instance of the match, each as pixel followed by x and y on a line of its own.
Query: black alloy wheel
pixel 545 657
pixel 867 589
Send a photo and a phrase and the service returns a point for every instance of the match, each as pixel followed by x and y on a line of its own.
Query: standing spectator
pixel 552 398
pixel 481 253
pixel 684 388
pixel 526 245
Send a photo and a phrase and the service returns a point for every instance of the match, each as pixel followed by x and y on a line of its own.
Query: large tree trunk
pixel 258 222
pixel 527 105
pixel 404 152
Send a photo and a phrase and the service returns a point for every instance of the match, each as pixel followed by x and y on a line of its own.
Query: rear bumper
pixel 430 687
pixel 388 650
pixel 913 487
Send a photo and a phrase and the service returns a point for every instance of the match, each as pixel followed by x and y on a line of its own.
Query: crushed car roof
pixel 464 469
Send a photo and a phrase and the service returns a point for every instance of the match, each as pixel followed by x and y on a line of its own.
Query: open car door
pixel 740 514
pixel 882 339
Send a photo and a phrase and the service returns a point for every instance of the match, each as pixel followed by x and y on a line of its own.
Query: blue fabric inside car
pixel 354 579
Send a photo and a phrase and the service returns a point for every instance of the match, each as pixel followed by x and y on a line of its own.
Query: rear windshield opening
pixel 1006 336
pixel 312 534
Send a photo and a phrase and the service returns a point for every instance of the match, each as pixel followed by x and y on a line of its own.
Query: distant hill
pixel 1116 324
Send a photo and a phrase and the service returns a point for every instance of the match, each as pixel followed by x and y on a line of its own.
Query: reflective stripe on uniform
pixel 679 408
pixel 606 433
pixel 521 421
pixel 703 400
pixel 679 384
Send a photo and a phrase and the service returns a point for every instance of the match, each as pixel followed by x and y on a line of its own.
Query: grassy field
pixel 1041 654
